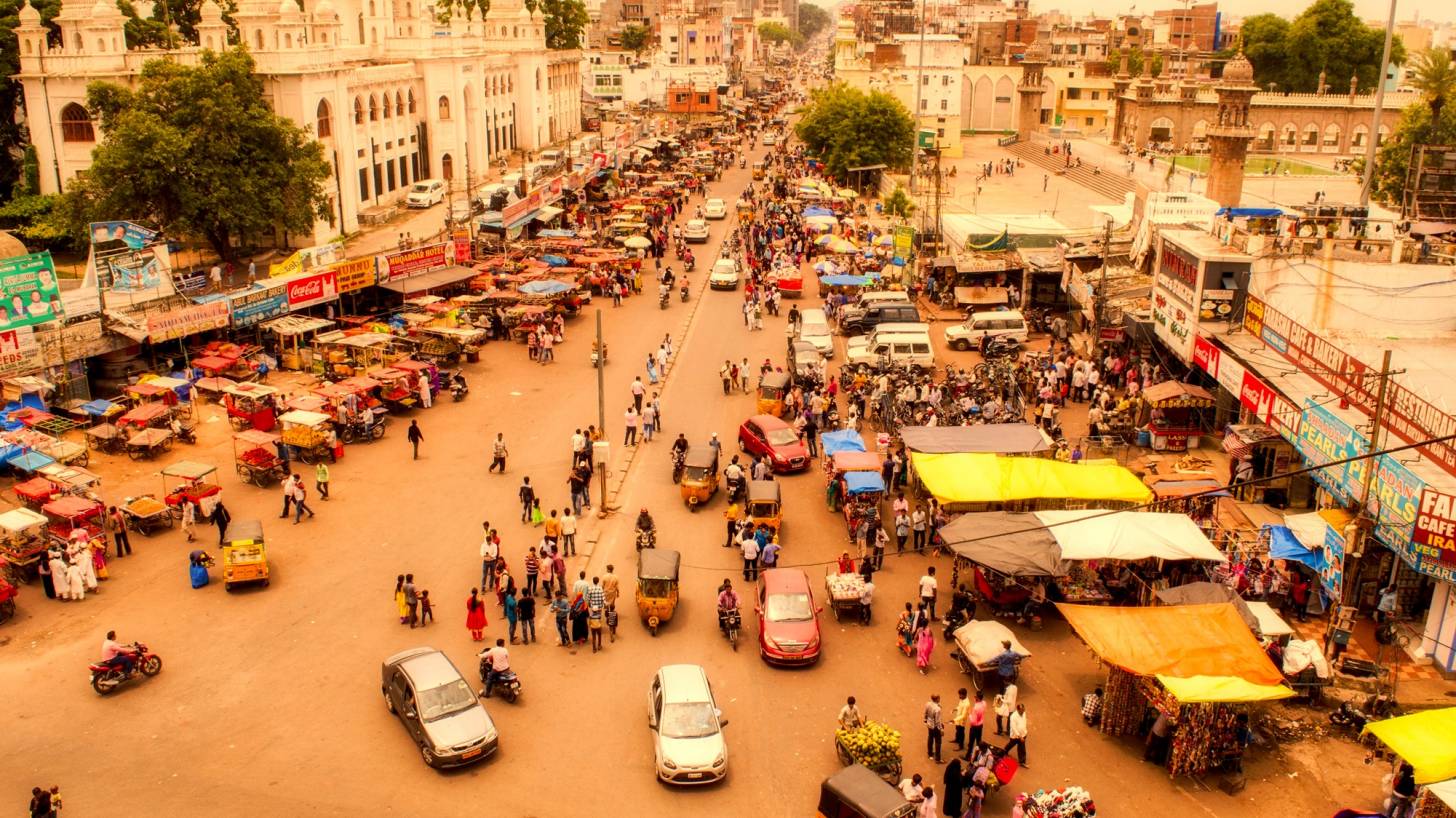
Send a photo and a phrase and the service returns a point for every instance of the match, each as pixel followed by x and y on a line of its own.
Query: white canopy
pixel 302 417
pixel 21 519
pixel 1308 528
pixel 1271 624
pixel 1128 535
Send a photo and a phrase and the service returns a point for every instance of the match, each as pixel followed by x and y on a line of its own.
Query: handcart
pixel 73 480
pixel 36 492
pixel 151 415
pixel 191 484
pixel 146 514
pixel 978 644
pixel 256 458
pixel 249 406
pixel 105 437
pixel 875 746
pixel 307 434
pixel 843 592
pixel 68 452
pixel 22 542
pixel 69 513
pixel 148 443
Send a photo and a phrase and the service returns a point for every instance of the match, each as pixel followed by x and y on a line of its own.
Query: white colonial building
pixel 394 95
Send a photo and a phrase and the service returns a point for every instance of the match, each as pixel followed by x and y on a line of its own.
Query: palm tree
pixel 1433 74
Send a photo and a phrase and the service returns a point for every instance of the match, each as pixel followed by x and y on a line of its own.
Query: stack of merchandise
pixel 874 745
pixel 845 586
pixel 1067 802
pixel 1122 704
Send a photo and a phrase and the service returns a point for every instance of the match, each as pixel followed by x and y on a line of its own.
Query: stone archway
pixel 1002 117
pixel 983 102
pixel 1160 130
pixel 1268 136
pixel 1331 141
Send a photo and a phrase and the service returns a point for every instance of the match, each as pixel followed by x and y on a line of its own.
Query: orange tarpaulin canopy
pixel 1182 641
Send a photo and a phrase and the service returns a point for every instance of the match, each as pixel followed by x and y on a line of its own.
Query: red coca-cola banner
pixel 312 289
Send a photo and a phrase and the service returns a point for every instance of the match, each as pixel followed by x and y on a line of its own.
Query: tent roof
pixel 1424 740
pixel 1271 624
pixel 987 478
pixel 1283 545
pixel 1199 593
pixel 1182 641
pixel 998 438
pixel 1222 689
pixel 1017 545
pixel 1129 535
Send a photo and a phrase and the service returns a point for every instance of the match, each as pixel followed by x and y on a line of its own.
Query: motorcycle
pixel 689 263
pixel 646 538
pixel 735 489
pixel 356 432
pixel 1350 716
pixel 458 387
pixel 1002 347
pixel 507 682
pixel 730 622
pixel 662 298
pixel 108 676
pixel 683 291
pixel 679 456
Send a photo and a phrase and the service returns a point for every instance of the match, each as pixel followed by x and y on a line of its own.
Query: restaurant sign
pixel 185 321
pixel 1433 541
pixel 419 260
pixel 355 274
pixel 259 304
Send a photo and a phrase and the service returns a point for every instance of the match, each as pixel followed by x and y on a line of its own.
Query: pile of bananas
pixel 873 745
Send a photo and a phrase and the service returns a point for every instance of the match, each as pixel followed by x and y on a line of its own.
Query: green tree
pixel 1434 76
pixel 198 151
pixel 13 136
pixel 775 33
pixel 1419 125
pixel 1326 36
pixel 475 9
pixel 636 38
pixel 899 203
pixel 848 128
pixel 566 20
pixel 812 20
pixel 38 220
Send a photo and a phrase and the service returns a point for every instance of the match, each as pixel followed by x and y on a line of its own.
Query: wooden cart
pixel 843 592
pixel 148 443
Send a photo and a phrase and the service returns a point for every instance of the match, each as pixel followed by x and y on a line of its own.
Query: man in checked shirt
pixel 596 608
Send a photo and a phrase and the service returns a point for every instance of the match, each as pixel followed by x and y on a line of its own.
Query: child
pixel 427 611
pixel 612 622
pixel 1002 712
pixel 537 518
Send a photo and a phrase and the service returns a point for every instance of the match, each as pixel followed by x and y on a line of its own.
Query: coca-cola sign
pixel 312 289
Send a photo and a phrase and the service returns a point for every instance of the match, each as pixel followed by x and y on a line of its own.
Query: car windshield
pixel 789 608
pixel 451 697
pixel 689 720
pixel 420 189
pixel 782 437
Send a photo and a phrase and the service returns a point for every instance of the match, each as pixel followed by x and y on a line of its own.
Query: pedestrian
pixel 511 608
pixel 976 723
pixel 934 727
pixel 489 553
pixel 596 605
pixel 632 420
pixel 954 790
pixel 918 524
pixel 118 532
pixel 651 368
pixel 561 609
pixel 475 620
pixel 568 532
pixel 638 391
pixel 321 479
pixel 399 601
pixel 221 518
pixel 1016 726
pixel 498 454
pixel 928 587
pixel 537 518
pixel 961 718
pixel 526 613
pixel 866 598
pixel 414 436
pixel 300 501
pixel 287 495
pixel 649 422
pixel 528 498
pixel 533 571
pixel 427 610
pixel 611 587
pixel 411 601
pixel 924 647
pixel 749 544
pixel 40 803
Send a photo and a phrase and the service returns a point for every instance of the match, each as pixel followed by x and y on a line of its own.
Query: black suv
pixel 895 312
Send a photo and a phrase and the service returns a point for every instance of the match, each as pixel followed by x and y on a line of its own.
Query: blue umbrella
pixel 544 287
pixel 555 261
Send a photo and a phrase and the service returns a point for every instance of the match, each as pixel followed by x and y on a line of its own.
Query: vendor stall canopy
pixel 845 440
pixel 1423 739
pixel 1181 642
pixel 997 438
pixel 987 478
pixel 1041 544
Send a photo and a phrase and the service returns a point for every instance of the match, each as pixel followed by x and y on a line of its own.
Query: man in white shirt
pixel 489 553
pixel 928 587
pixel 568 533
pixel 911 788
pixel 498 660
pixel 1016 728
pixel 749 544
pixel 849 716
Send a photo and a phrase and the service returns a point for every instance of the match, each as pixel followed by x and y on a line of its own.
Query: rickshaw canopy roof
pixel 764 491
pixel 249 531
pixel 775 380
pixel 303 418
pixel 703 458
pixel 857 461
pixel 858 788
pixel 188 469
pixel 21 519
pixel 658 563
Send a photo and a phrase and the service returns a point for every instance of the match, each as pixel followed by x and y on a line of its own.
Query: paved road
pixel 270 702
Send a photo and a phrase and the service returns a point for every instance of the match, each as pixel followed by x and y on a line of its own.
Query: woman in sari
pixel 578 620
pixel 399 602
pixel 924 646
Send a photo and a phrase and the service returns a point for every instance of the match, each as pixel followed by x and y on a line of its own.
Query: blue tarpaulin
pixel 544 287
pixel 555 261
pixel 817 211
pixel 863 482
pixel 98 407
pixel 1284 546
pixel 1250 212
pixel 845 440
pixel 846 281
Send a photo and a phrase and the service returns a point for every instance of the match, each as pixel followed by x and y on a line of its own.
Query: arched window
pixel 398 104
pixel 444 108
pixel 288 41
pixel 411 98
pixel 373 108
pixel 358 111
pixel 76 124
pixel 325 126
pixel 258 39
pixel 409 9
pixel 371 8
pixel 385 104
pixel 447 166
pixel 361 28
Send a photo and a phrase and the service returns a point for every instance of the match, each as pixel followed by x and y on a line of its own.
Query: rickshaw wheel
pixel 307 456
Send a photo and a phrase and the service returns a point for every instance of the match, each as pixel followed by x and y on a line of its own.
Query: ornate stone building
pixel 1230 134
pixel 394 95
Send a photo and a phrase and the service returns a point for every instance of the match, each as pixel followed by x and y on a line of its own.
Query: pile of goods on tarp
pixel 873 745
pixel 1065 802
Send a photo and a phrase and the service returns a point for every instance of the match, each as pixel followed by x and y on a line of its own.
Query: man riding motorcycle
pixel 498 659
pixel 116 654
pixel 727 601
pixel 733 474
pixel 646 527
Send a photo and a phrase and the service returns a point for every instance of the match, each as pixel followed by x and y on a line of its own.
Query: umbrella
pixel 637 242
pixel 839 245
pixel 826 267
pixel 824 218
pixel 544 287
pixel 824 240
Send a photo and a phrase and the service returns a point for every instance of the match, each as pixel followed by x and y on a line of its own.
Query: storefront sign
pixel 1171 323
pixel 461 240
pixel 259 305
pixel 307 259
pixel 1113 334
pixel 599 160
pixel 418 260
pixel 29 294
pixel 904 241
pixel 19 353
pixel 1332 564
pixel 312 289
pixel 553 190
pixel 180 323
pixel 1215 305
pixel 1434 537
pixel 516 210
pixel 1406 415
pixel 353 275
pixel 133 235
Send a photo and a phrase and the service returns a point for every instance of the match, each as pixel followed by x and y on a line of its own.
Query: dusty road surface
pixel 269 702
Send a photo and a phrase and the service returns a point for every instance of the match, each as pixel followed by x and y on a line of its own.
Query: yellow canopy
pixel 1180 641
pixel 1424 739
pixel 988 478
pixel 1222 689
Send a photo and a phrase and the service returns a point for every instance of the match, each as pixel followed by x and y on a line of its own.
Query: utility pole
pixel 601 413
pixel 1353 552
pixel 1374 134
pixel 919 84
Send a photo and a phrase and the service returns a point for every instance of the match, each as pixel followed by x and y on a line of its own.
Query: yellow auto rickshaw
pixel 765 504
pixel 700 476
pixel 758 170
pixel 244 554
pixel 773 387
pixel 657 570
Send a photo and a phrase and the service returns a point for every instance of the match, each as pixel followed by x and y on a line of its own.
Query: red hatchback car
pixel 769 437
pixel 788 620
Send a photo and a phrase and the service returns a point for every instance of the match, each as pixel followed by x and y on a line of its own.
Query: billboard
pixel 19 353
pixel 29 294
pixel 1433 541
pixel 419 260
pixel 179 323
pixel 355 274
pixel 312 289
pixel 259 304
pixel 132 235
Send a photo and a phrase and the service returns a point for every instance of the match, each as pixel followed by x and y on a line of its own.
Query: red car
pixel 767 436
pixel 788 620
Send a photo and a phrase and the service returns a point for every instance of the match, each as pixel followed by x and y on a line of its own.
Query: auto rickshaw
pixel 244 554
pixel 657 570
pixel 773 387
pixel 765 504
pixel 856 792
pixel 758 169
pixel 700 476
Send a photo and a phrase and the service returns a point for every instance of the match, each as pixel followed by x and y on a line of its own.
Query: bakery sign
pixel 1178 273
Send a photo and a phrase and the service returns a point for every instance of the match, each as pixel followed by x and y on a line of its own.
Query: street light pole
pixel 1368 175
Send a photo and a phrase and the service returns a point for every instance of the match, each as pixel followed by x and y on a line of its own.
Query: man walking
pixel 568 533
pixel 934 727
pixel 300 498
pixel 118 532
pixel 749 544
pixel 1017 730
pixel 489 553
pixel 321 479
pixel 638 390
pixel 414 436
pixel 632 420
pixel 528 497
pixel 287 495
pixel 498 454
pixel 928 586
pixel 411 600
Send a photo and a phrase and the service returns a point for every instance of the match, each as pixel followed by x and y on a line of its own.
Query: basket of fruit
pixel 874 745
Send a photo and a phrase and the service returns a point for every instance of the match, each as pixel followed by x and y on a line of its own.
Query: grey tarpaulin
pixel 997 438
pixel 1009 548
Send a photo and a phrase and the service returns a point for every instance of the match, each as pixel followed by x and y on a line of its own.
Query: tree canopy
pixel 899 203
pixel 776 33
pixel 566 21
pixel 1326 36
pixel 848 128
pixel 813 19
pixel 636 38
pixel 197 150
pixel 1432 73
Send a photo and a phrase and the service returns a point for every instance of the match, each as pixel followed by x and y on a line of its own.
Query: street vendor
pixel 1006 662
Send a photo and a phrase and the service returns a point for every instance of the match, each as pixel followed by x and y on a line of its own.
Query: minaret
pixel 1029 115
pixel 212 31
pixel 32 37
pixel 1120 84
pixel 1229 137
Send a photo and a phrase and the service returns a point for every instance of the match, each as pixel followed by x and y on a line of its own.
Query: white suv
pixel 687 727
pixel 724 275
pixel 425 193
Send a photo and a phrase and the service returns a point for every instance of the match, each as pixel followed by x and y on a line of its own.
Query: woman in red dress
pixel 475 615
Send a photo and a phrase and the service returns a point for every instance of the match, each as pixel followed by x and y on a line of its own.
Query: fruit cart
pixel 874 745
pixel 256 457
pixel 978 643
pixel 307 435
pixel 191 483
pixel 146 514
pixel 250 406
pixel 148 443
pixel 105 437
pixel 22 542
pixel 843 592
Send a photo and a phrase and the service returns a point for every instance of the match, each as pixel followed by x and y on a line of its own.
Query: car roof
pixel 784 580
pixel 684 683
pixel 1002 314
pixel 426 667
pixel 768 422
pixel 902 328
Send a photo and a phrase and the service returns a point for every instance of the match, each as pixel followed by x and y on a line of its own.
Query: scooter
pixel 458 387
pixel 107 676
pixel 357 432
pixel 646 538
pixel 689 263
pixel 507 682
pixel 662 300
pixel 735 489
pixel 683 291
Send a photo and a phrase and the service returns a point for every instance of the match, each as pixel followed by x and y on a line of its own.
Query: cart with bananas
pixel 307 434
pixel 873 745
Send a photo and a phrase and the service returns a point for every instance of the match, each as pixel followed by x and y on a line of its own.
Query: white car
pixel 696 231
pixel 769 140
pixel 425 193
pixel 715 209
pixel 724 275
pixel 687 727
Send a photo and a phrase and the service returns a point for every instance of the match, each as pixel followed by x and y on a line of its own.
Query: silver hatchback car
pixel 687 729
pixel 438 707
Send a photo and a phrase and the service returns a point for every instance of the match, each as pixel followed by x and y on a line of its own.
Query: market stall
pixel 295 332
pixel 1423 740
pixel 982 482
pixel 1180 413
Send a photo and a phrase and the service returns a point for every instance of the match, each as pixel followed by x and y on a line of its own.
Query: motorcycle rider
pixel 498 663
pixel 663 291
pixel 114 653
pixel 458 381
pixel 734 475
pixel 727 601
pixel 646 525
